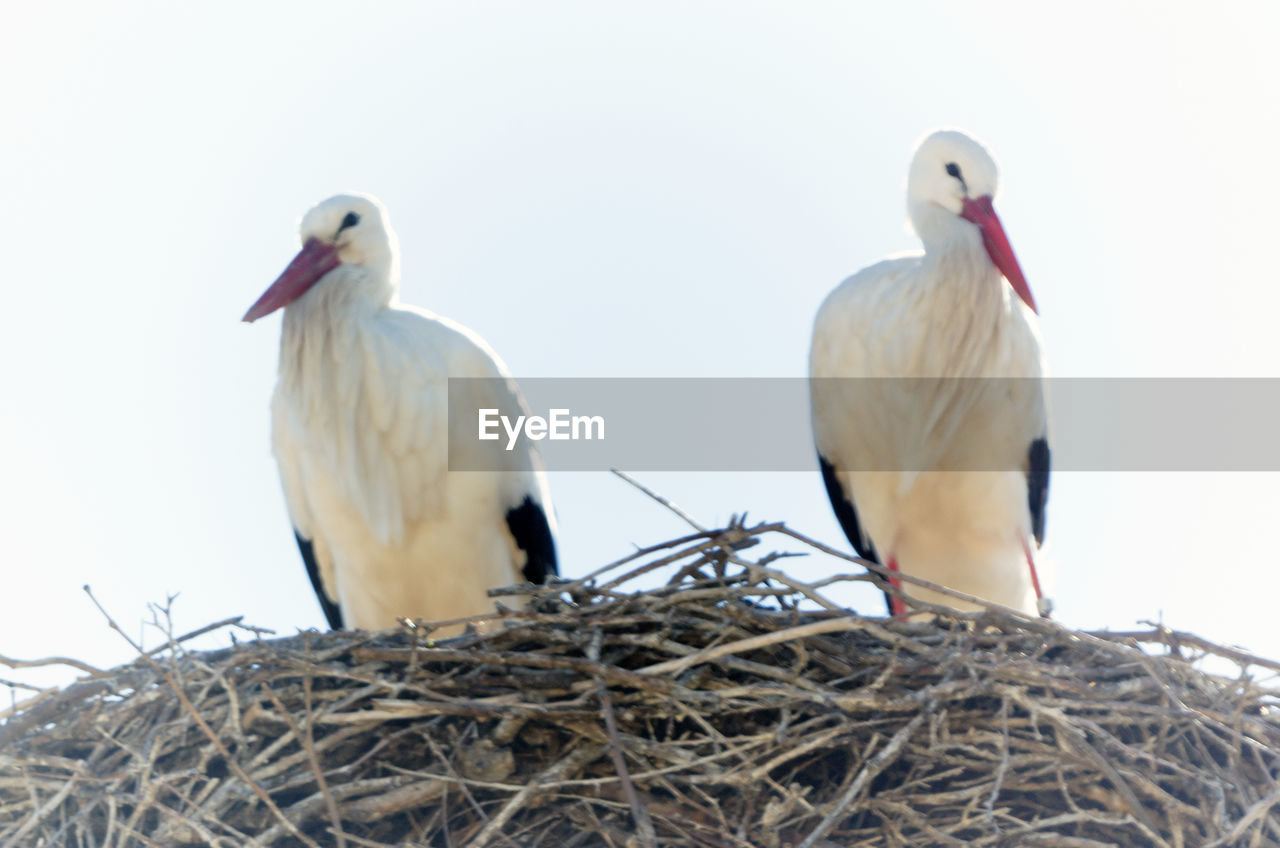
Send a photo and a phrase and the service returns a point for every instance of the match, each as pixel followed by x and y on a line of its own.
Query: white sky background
pixel 642 189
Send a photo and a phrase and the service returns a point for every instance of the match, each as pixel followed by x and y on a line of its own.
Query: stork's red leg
pixel 896 606
pixel 1042 603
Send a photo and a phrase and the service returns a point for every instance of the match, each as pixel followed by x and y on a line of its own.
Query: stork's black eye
pixel 350 221
pixel 953 170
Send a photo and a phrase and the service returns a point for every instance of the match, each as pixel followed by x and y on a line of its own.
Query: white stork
pixel 950 473
pixel 361 433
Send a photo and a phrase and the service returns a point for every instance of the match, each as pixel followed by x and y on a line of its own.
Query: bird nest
pixel 733 706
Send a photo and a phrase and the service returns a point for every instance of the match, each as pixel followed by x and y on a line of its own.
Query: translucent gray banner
pixel 747 424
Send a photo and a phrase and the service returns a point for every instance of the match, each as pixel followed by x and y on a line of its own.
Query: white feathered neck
pixel 343 387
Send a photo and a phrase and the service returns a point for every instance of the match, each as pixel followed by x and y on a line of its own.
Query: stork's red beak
pixel 316 259
pixel 982 213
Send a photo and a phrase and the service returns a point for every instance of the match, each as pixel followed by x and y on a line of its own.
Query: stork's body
pixel 938 467
pixel 361 433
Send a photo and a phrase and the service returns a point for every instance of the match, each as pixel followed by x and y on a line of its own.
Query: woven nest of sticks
pixel 733 706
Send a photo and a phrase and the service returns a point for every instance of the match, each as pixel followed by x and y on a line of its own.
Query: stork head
pixel 348 233
pixel 952 181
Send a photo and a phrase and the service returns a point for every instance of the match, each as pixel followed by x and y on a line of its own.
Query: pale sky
pixel 600 189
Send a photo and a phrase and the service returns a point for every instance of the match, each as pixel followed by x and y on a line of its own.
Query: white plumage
pixel 361 433
pixel 938 465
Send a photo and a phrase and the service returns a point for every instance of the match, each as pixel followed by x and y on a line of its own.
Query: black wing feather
pixel 1038 485
pixel 842 503
pixel 529 527
pixel 331 611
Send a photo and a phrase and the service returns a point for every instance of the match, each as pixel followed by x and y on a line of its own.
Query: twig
pixel 234 621
pixel 586 579
pixel 46 661
pixel 638 812
pixel 1178 638
pixel 18 684
pixel 831 625
pixel 684 516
